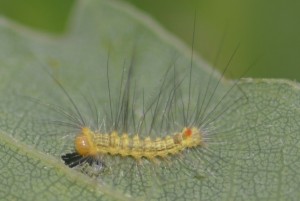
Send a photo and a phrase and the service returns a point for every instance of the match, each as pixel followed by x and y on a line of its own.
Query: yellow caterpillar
pixel 89 143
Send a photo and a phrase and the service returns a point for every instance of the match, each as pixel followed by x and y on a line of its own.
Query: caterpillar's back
pixel 89 143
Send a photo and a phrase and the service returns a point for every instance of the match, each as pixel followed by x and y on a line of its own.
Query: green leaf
pixel 251 155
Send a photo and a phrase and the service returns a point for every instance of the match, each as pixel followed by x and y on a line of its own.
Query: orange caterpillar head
pixel 83 143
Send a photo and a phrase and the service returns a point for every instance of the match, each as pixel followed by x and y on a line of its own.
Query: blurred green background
pixel 268 30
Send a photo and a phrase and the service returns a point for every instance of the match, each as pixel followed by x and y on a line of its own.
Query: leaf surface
pixel 258 158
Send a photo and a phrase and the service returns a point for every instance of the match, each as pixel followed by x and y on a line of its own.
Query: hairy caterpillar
pixel 138 137
pixel 89 143
pixel 148 138
pixel 120 140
